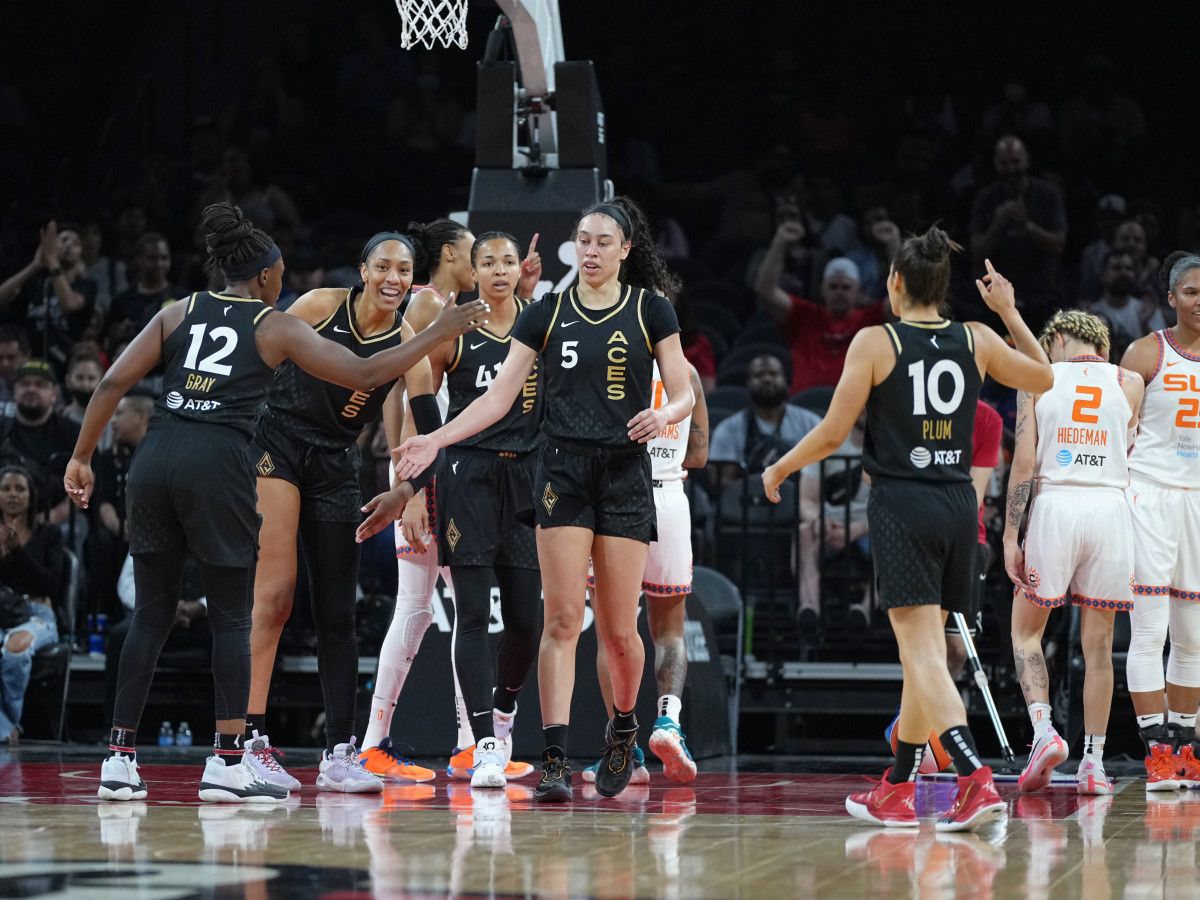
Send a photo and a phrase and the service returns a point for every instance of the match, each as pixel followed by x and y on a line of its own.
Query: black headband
pixel 615 213
pixel 250 269
pixel 387 236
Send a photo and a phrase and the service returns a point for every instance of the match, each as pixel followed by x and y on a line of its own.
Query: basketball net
pixel 428 21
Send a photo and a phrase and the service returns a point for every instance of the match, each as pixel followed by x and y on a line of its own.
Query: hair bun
pixel 935 245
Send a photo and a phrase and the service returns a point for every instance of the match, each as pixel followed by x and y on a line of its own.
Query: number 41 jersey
pixel 921 417
pixel 1081 424
pixel 214 373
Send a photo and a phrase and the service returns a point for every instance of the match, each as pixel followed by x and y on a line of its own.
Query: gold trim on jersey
pixel 895 337
pixel 238 299
pixel 520 305
pixel 191 304
pixel 458 355
pixel 642 318
pixel 553 319
pixel 329 318
pixel 608 313
pixel 970 338
pixel 354 325
pixel 945 323
pixel 266 309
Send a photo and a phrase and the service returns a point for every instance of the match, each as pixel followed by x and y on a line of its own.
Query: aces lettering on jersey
pixel 617 357
pixel 355 405
pixel 487 374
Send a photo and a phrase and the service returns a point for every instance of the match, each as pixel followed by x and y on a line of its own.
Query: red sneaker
pixel 976 803
pixel 886 804
pixel 1160 769
pixel 1187 769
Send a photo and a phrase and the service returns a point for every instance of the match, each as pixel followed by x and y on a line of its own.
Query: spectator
pixel 878 241
pixel 1110 211
pixel 819 333
pixel 107 272
pixel 31 564
pixel 1020 224
pixel 84 371
pixel 697 348
pixel 151 291
pixel 1129 317
pixel 737 449
pixel 57 298
pixel 14 350
pixel 39 438
pixel 1130 236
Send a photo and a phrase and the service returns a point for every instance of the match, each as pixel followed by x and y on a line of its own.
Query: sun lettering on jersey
pixel 617 356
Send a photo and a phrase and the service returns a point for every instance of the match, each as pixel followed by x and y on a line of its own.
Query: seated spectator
pixel 1130 236
pixel 38 438
pixel 107 272
pixel 819 333
pixel 151 291
pixel 14 350
pixel 1109 213
pixel 1130 317
pixel 31 565
pixel 84 371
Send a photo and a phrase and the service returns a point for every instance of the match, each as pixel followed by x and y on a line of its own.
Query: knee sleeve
pixel 410 621
pixel 1183 664
pixel 1148 632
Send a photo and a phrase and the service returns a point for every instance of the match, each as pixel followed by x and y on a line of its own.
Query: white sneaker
pixel 260 757
pixel 119 779
pixel 487 768
pixel 238 783
pixel 343 771
pixel 1048 751
pixel 1091 778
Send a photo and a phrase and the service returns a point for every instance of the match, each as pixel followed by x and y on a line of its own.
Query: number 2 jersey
pixel 214 372
pixel 1167 446
pixel 478 356
pixel 921 417
pixel 1081 425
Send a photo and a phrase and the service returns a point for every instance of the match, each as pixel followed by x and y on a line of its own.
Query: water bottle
pixel 166 735
pixel 183 737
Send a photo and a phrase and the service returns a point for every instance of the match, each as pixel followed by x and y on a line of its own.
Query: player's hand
pixel 455 319
pixel 1014 565
pixel 78 482
pixel 414 524
pixel 773 477
pixel 382 510
pixel 996 290
pixel 416 455
pixel 647 425
pixel 531 272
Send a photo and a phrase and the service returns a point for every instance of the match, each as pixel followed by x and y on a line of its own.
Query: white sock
pixel 1039 715
pixel 502 723
pixel 379 725
pixel 1093 745
pixel 1150 720
pixel 1175 718
pixel 670 706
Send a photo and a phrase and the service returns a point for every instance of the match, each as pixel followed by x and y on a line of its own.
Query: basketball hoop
pixel 428 21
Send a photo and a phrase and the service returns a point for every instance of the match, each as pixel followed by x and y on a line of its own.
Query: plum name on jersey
pixel 936 429
pixel 1091 437
pixel 199 383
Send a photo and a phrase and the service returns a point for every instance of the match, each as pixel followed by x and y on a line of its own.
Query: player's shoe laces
pixel 1160 769
pixel 976 803
pixel 487 770
pixel 1187 768
pixel 618 760
pixel 119 779
pixel 385 762
pixel 886 804
pixel 238 783
pixel 641 775
pixel 1091 778
pixel 1048 751
pixel 343 771
pixel 668 743
pixel 555 786
pixel 263 759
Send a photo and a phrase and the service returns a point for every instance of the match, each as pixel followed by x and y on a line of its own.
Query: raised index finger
pixel 532 245
pixel 991 269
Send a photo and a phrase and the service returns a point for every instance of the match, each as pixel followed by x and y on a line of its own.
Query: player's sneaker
pixel 119 779
pixel 886 804
pixel 668 743
pixel 1048 751
pixel 343 771
pixel 385 762
pixel 1160 769
pixel 263 759
pixel 1091 778
pixel 618 760
pixel 555 785
pixel 462 761
pixel 238 783
pixel 487 770
pixel 641 775
pixel 975 803
pixel 1187 768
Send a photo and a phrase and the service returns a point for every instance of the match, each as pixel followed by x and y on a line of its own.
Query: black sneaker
pixel 555 786
pixel 617 762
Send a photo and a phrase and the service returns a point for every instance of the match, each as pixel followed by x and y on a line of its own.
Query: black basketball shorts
pixel 592 487
pixel 480 494
pixel 923 543
pixel 191 488
pixel 327 479
pixel 974 616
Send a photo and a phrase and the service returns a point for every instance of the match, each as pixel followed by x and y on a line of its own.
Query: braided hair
pixel 1076 323
pixel 230 238
pixel 644 266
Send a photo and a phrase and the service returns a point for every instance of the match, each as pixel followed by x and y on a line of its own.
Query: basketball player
pixel 308 469
pixel 191 485
pixel 1164 500
pixel 1079 546
pixel 919 381
pixel 595 345
pixel 666 584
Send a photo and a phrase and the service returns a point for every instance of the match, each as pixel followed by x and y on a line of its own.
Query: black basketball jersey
pixel 319 412
pixel 921 417
pixel 213 371
pixel 596 365
pixel 478 356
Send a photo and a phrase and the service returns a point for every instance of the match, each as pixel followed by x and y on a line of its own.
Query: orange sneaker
pixel 462 761
pixel 384 762
pixel 1160 769
pixel 1187 769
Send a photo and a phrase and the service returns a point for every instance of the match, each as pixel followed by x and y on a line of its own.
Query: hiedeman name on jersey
pixel 1091 437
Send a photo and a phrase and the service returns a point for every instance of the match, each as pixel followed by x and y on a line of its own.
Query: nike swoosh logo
pixel 340 330
pixel 477 346
pixel 1173 363
pixel 568 324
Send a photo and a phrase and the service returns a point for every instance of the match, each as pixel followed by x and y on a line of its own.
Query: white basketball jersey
pixel 1167 446
pixel 1081 424
pixel 668 449
pixel 443 393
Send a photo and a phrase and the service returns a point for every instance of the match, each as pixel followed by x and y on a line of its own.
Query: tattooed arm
pixel 697 446
pixel 1020 487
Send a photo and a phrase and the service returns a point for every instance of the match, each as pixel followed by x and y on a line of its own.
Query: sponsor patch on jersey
pixel 1064 457
pixel 920 457
pixel 174 400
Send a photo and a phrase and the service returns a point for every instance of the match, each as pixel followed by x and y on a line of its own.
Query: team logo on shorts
pixel 920 457
pixel 549 498
pixel 452 534
pixel 265 465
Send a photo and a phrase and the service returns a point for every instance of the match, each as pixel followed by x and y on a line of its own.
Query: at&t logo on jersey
pixel 921 457
pixel 175 401
pixel 1064 457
